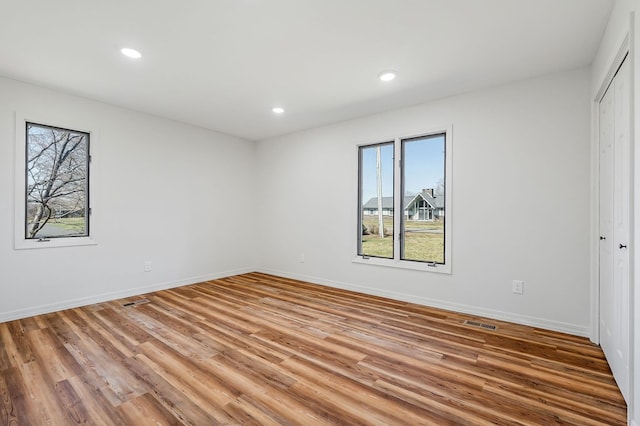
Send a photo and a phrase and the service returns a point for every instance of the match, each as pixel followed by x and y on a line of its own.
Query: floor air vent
pixel 136 302
pixel 480 325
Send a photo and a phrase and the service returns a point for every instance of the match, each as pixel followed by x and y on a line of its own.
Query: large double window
pixel 404 195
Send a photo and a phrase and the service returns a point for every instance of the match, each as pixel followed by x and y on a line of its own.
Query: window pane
pixel 423 186
pixel 57 170
pixel 376 201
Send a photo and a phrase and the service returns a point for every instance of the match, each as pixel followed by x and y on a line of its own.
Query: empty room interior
pixel 319 212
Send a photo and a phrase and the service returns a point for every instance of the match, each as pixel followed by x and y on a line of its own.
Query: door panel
pixel 615 215
pixel 606 216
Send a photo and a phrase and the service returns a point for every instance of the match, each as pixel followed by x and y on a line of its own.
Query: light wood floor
pixel 258 349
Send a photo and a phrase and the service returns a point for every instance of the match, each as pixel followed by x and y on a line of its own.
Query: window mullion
pixel 398 208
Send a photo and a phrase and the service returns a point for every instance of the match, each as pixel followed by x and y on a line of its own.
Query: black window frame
pixel 87 181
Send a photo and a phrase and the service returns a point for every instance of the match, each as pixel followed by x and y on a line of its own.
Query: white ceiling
pixel 223 64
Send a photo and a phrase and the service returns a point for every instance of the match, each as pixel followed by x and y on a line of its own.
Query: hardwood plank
pixel 11 357
pixel 259 349
pixel 99 410
pixel 53 356
pixel 17 405
pixel 443 410
pixel 180 342
pixel 170 396
pixel 22 344
pixel 50 409
pixel 7 408
pixel 6 361
pixel 103 333
pixel 226 337
pixel 105 372
pixel 145 410
pixel 72 404
pixel 354 397
pixel 29 324
pixel 63 330
pixel 192 378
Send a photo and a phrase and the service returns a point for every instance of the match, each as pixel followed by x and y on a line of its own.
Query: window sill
pixel 403 264
pixel 23 244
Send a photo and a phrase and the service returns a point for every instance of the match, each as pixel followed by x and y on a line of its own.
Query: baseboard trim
pixel 466 309
pixel 106 297
pixel 435 303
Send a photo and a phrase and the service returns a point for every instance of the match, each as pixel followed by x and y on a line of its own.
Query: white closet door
pixel 615 215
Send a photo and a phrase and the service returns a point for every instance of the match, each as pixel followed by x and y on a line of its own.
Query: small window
pixel 57 191
pixel 404 186
pixel 52 185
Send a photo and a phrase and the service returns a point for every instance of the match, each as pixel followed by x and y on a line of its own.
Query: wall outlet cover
pixel 517 286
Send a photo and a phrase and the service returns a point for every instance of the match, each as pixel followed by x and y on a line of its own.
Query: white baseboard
pixel 457 307
pixel 105 297
pixel 467 309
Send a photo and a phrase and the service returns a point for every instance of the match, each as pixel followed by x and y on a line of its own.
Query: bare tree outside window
pixel 57 172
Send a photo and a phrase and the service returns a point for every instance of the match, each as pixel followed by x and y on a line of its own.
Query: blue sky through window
pixel 423 168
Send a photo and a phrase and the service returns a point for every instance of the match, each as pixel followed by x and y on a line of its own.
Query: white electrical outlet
pixel 517 286
pixel 147 266
pixel 301 258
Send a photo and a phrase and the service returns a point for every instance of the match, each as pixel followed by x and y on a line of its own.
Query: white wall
pixel 617 29
pixel 522 150
pixel 176 195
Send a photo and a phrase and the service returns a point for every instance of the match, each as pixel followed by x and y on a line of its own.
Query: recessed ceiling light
pixel 387 75
pixel 131 53
pixel 277 110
